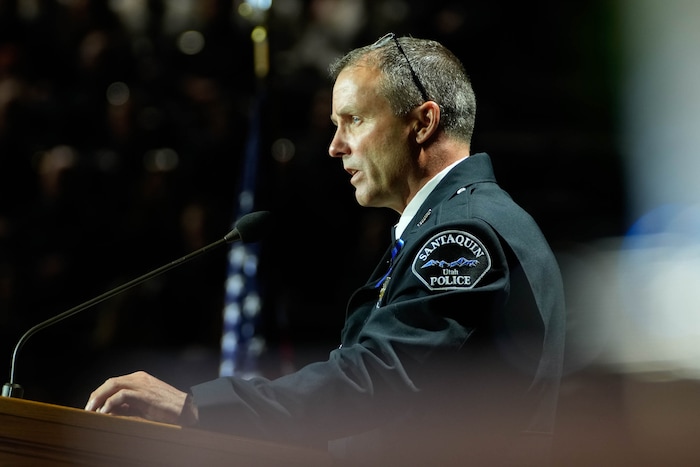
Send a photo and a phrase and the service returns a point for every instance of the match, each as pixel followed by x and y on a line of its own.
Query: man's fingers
pixel 109 395
pixel 142 395
pixel 114 404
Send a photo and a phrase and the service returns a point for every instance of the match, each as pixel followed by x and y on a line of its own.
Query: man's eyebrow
pixel 335 116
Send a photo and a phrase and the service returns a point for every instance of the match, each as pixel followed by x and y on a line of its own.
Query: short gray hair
pixel 436 68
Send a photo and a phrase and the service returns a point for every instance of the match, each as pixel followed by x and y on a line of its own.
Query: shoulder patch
pixel 451 259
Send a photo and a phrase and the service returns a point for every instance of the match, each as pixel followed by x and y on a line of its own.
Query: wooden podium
pixel 37 434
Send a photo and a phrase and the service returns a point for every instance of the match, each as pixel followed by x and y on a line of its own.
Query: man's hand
pixel 142 395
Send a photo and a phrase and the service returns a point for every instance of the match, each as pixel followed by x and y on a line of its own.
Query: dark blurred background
pixel 123 128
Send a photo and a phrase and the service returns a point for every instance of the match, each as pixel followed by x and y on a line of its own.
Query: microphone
pixel 249 228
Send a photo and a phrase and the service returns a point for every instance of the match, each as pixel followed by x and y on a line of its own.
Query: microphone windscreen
pixel 252 227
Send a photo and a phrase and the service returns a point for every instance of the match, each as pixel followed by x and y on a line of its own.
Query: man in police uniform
pixel 452 352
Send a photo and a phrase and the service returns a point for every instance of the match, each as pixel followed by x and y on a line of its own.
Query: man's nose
pixel 337 147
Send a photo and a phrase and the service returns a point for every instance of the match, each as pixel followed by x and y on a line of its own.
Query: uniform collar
pixel 473 169
pixel 418 200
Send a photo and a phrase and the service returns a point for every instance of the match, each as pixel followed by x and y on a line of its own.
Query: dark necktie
pixel 384 281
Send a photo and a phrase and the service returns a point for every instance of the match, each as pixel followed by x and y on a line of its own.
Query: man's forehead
pixel 356 82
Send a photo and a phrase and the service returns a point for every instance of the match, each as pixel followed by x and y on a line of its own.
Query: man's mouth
pixel 352 173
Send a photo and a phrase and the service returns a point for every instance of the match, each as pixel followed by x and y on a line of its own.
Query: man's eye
pixel 355 120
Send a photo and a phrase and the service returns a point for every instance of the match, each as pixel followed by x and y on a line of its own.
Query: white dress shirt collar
pixel 413 205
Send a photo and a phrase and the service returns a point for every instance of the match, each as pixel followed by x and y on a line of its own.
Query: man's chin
pixel 363 201
pixel 368 204
pixel 369 200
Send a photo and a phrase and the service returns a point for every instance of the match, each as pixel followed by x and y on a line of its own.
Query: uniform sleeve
pixel 391 349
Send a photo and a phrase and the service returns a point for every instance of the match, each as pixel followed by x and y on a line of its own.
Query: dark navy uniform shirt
pixel 456 353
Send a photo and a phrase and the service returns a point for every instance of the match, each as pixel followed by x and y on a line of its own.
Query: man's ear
pixel 427 121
